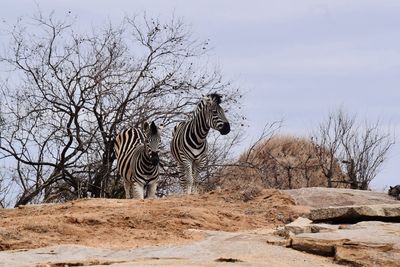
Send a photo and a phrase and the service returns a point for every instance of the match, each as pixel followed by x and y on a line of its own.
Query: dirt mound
pixel 134 223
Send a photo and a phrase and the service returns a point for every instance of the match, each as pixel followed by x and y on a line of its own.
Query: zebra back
pixel 127 140
pixel 124 147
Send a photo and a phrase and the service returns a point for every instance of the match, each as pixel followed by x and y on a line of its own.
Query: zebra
pixel 394 191
pixel 137 157
pixel 189 144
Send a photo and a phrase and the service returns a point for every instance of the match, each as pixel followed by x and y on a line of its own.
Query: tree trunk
pixel 103 174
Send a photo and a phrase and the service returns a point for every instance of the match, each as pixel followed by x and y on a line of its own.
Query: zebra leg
pixel 186 178
pixel 198 166
pixel 195 171
pixel 137 190
pixel 151 190
pixel 127 187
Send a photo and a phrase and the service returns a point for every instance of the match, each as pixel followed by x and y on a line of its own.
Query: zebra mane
pixel 153 128
pixel 216 97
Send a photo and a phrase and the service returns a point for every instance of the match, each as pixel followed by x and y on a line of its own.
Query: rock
pixel 217 249
pixel 313 245
pixel 362 244
pixel 319 197
pixel 300 225
pixel 367 255
pixel 277 240
pixel 373 242
pixel 349 214
pixel 305 225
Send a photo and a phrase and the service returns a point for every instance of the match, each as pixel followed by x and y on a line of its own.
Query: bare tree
pixel 359 148
pixel 365 149
pixel 327 143
pixel 69 93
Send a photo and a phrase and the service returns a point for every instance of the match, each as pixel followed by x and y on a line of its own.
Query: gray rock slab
pixel 384 212
pixel 218 249
pixel 319 197
pixel 362 244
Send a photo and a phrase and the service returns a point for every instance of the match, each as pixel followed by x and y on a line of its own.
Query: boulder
pixel 350 214
pixel 320 197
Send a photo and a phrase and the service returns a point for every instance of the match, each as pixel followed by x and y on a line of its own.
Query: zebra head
pixel 394 190
pixel 215 115
pixel 152 141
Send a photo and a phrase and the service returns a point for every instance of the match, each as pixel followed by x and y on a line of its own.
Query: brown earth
pixel 136 223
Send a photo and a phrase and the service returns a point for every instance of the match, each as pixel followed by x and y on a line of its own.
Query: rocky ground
pixel 214 229
pixel 217 249
pixel 359 228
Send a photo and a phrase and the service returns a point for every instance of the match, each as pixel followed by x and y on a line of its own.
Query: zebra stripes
pixel 137 160
pixel 189 139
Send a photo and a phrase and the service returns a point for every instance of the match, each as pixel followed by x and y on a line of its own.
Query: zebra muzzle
pixel 154 158
pixel 226 128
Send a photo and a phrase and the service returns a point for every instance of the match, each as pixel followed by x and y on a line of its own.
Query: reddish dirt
pixel 137 223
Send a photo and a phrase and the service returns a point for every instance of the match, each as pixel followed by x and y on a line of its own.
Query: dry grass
pixel 281 162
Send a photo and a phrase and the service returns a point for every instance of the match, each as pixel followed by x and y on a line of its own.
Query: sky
pixel 295 60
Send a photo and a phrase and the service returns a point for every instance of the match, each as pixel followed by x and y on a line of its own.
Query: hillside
pixel 137 223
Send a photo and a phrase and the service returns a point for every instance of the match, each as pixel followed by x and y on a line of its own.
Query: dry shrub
pixel 282 162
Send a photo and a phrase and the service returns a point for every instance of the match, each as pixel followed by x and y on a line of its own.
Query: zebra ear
pixel 153 128
pixel 390 188
pixel 145 126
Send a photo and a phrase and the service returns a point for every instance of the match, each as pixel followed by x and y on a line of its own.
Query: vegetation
pixel 342 153
pixel 67 95
pixel 359 147
pixel 282 162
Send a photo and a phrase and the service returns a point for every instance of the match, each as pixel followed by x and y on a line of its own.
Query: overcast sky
pixel 297 60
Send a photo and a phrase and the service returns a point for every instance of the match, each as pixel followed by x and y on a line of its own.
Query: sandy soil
pixel 137 223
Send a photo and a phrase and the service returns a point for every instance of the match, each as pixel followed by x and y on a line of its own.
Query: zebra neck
pixel 144 155
pixel 199 127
